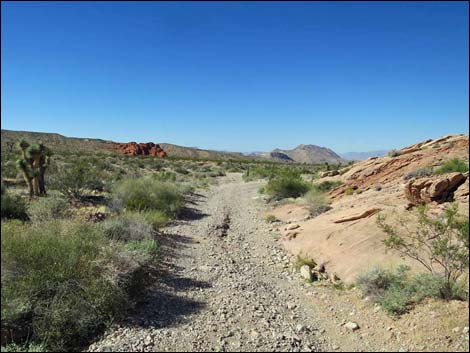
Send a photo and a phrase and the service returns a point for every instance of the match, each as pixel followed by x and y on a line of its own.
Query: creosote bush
pixel 317 202
pixel 440 244
pixel 326 185
pixel 146 194
pixel 56 281
pixel 286 184
pixel 398 291
pixel 451 166
pixel 270 218
pixel 129 226
pixel 50 207
pixel 76 178
pixel 12 206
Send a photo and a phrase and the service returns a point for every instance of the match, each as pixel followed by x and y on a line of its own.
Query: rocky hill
pixel 311 154
pixel 346 238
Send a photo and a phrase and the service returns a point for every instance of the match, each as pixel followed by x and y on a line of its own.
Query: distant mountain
pixel 360 156
pixel 311 154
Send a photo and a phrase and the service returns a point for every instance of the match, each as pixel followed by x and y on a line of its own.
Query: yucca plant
pixel 33 163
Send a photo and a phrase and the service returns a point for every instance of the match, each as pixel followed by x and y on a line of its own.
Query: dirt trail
pixel 225 285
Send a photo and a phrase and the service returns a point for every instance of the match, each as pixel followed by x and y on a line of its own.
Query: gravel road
pixel 224 285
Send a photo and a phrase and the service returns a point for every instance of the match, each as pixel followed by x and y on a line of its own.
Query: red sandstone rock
pixel 428 189
pixel 142 149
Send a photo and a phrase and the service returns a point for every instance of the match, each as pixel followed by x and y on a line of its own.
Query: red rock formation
pixel 142 149
pixel 437 188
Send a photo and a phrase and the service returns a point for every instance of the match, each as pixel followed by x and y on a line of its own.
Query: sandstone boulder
pixel 462 193
pixel 436 188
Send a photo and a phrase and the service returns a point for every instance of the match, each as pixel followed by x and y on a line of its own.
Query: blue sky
pixel 353 76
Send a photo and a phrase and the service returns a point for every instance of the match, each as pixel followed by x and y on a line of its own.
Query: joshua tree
pixel 33 162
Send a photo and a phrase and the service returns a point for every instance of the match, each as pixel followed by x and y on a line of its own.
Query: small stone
pixel 351 326
pixel 305 272
pixel 465 330
pixel 456 329
pixel 293 226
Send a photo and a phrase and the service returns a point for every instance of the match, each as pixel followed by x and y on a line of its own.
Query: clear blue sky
pixel 353 76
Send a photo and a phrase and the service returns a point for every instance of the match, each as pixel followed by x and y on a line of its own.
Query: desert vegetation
pixel 439 244
pixel 75 259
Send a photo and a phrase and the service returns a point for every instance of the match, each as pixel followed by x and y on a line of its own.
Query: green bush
pixel 50 207
pixel 165 176
pixel 74 179
pixel 394 153
pixel 349 191
pixel 302 261
pixel 147 194
pixel 440 244
pixel 317 202
pixel 155 218
pixel 326 185
pixel 397 291
pixel 451 166
pixel 270 218
pixel 376 282
pixel 129 226
pixel 56 281
pixel 287 184
pixel 12 206
pixel 146 249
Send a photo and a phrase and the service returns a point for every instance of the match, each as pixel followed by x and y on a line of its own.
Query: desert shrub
pixel 155 218
pixel 451 166
pixel 146 249
pixel 147 194
pixel 165 176
pixel 286 184
pixel 349 191
pixel 394 153
pixel 418 173
pixel 398 291
pixel 8 169
pixel 317 202
pixel 302 261
pixel 50 207
pixel 12 206
pixel 56 281
pixel 74 179
pixel 270 218
pixel 439 244
pixel 326 185
pixel 128 226
pixel 181 170
pixel 376 282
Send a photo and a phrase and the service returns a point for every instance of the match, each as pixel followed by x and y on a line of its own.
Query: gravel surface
pixel 224 285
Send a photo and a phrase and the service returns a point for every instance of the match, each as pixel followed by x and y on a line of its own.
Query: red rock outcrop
pixel 389 171
pixel 428 189
pixel 141 149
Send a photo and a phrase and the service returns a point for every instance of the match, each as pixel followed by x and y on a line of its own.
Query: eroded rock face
pixel 437 188
pixel 142 149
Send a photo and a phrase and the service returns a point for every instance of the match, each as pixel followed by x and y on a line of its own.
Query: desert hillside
pixel 73 144
pixel 346 238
